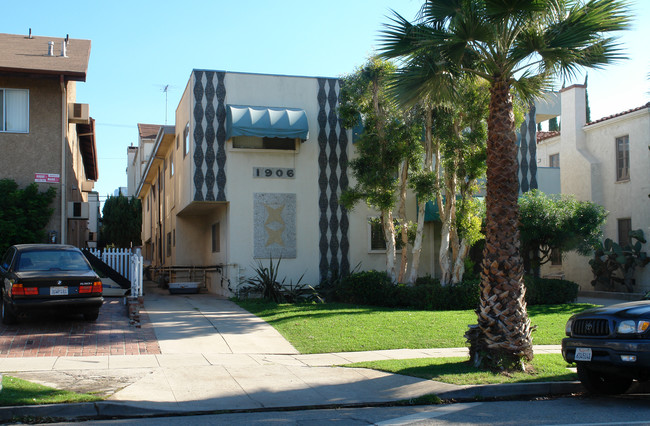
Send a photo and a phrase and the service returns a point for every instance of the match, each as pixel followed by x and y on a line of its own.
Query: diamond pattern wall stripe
pixel 333 222
pixel 209 136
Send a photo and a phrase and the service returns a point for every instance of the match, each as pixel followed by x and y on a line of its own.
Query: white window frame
pixel 3 111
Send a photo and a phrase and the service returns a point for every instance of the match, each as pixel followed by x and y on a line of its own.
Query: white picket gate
pixel 127 263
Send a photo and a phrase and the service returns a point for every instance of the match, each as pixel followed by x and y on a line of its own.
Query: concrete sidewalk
pixel 217 356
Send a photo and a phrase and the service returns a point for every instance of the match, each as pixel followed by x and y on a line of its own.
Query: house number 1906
pixel 273 172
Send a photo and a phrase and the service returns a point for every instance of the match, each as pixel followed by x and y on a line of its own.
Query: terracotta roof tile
pixel 24 55
pixel 542 136
pixel 148 131
pixel 609 117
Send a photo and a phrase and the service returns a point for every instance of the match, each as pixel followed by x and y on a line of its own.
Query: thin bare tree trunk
pixel 459 262
pixel 403 221
pixel 447 212
pixel 428 161
pixel 389 235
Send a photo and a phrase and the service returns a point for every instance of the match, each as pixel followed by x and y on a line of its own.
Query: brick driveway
pixel 53 335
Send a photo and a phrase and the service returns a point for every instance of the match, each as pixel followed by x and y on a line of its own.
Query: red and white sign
pixel 47 177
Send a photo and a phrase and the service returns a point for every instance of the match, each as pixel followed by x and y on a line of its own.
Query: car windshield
pixel 52 260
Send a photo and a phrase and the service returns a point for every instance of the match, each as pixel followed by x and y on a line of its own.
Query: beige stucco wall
pixel 588 171
pixel 191 222
pixel 39 150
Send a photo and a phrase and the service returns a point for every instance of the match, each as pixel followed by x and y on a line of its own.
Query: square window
pixel 554 160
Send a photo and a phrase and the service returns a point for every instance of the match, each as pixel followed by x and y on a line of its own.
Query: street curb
pixel 512 390
pixel 112 409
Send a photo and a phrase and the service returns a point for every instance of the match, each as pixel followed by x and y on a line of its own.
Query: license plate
pixel 583 354
pixel 58 291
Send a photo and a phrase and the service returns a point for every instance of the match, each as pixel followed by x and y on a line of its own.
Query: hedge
pixel 375 288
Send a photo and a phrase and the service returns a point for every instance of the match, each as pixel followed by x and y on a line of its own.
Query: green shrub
pixel 375 288
pixel 544 291
pixel 367 288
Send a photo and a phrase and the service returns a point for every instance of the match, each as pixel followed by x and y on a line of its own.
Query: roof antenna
pixel 166 90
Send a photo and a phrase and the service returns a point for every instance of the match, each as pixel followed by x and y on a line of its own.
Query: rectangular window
pixel 623 158
pixel 556 257
pixel 624 228
pixel 252 142
pixel 554 160
pixel 216 238
pixel 186 139
pixel 174 237
pixel 169 244
pixel 171 165
pixel 377 240
pixel 14 110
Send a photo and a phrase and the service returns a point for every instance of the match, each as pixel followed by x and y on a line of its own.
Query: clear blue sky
pixel 138 47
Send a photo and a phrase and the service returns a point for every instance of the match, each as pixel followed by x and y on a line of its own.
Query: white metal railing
pixel 124 261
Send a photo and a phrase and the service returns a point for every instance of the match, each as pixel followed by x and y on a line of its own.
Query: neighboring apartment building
pixel 138 156
pixel 606 161
pixel 45 136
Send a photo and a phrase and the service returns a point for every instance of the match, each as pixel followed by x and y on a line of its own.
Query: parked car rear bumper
pixel 75 304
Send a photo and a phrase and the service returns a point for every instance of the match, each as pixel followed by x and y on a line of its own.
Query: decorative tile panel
pixel 274 226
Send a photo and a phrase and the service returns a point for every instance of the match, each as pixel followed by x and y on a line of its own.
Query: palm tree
pixel 513 44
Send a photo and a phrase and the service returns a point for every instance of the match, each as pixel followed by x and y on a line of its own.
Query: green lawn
pixel 458 371
pixel 21 392
pixel 332 327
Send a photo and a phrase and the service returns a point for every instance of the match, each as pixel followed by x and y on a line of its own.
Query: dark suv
pixel 610 346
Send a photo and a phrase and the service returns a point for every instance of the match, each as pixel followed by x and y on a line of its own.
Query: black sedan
pixel 610 346
pixel 48 277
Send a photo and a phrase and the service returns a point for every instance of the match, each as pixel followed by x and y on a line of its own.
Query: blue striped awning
pixel 266 122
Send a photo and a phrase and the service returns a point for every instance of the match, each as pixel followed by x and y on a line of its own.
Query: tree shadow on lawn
pixel 566 308
pixel 273 312
pixel 462 372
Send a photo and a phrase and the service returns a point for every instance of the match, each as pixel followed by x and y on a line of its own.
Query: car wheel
pixel 91 316
pixel 601 383
pixel 8 317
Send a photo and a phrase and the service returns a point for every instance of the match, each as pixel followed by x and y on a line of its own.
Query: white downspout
pixel 64 120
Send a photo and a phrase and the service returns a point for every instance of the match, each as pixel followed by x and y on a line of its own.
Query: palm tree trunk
pixel 502 315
